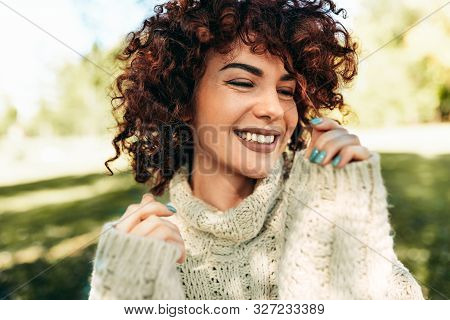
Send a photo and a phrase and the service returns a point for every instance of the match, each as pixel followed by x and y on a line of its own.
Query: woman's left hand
pixel 330 140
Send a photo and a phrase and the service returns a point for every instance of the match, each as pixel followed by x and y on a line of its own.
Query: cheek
pixel 213 125
pixel 291 119
pixel 217 105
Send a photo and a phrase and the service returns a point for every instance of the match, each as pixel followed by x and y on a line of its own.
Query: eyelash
pixel 249 85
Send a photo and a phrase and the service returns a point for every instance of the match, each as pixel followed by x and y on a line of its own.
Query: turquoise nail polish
pixel 319 158
pixel 315 121
pixel 313 154
pixel 171 208
pixel 336 160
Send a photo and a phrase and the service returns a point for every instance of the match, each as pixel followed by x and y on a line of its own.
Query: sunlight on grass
pixel 26 255
pixel 45 221
pixel 72 246
pixel 51 196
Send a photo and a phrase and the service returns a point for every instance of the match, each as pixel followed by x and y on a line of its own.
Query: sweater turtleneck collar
pixel 236 224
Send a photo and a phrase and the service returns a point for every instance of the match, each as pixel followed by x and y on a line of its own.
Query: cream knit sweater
pixel 322 233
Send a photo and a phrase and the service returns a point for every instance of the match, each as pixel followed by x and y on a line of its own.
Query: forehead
pixel 242 53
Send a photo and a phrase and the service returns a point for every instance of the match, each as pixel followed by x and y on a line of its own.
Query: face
pixel 236 97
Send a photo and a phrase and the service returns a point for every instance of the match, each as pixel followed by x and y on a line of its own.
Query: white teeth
pixel 256 137
pixel 261 138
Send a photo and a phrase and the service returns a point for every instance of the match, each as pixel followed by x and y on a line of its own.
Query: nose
pixel 269 106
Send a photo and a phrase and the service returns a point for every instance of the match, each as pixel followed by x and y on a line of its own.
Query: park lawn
pixel 50 228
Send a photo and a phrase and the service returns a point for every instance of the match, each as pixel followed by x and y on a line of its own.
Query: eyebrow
pixel 256 71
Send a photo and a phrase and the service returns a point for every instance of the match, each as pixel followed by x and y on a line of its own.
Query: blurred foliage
pixel 404 63
pixel 38 239
pixel 406 80
pixel 444 105
pixel 404 73
pixel 7 118
pixel 83 105
pixel 417 189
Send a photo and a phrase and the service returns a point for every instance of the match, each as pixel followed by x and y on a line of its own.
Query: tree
pixel 402 68
pixel 83 106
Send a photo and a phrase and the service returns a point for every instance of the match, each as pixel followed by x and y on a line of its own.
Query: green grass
pixel 46 226
pixel 419 190
pixel 37 239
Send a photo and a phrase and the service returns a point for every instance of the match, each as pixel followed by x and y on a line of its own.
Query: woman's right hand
pixel 146 220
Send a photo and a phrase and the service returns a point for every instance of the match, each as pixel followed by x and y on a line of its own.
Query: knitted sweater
pixel 316 233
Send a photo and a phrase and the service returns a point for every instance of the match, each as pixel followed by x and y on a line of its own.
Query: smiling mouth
pixel 257 146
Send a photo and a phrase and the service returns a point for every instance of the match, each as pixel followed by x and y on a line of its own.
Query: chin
pixel 255 167
pixel 255 173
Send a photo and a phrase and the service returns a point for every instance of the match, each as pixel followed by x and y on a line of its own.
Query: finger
pixel 145 227
pixel 147 197
pixel 353 152
pixel 312 142
pixel 334 145
pixel 317 130
pixel 175 238
pixel 326 124
pixel 163 232
pixel 182 248
pixel 328 136
pixel 136 213
pixel 321 138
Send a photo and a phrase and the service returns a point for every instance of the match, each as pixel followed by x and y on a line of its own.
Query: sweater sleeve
pixel 402 285
pixel 130 267
pixel 342 213
pixel 370 206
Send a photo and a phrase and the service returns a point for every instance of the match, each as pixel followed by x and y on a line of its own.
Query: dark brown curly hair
pixel 165 59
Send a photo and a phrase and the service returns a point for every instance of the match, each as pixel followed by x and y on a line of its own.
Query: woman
pixel 213 104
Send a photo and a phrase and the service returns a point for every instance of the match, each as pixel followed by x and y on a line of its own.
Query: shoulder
pixel 325 188
pixel 356 175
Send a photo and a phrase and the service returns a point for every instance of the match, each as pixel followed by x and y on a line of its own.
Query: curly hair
pixel 165 59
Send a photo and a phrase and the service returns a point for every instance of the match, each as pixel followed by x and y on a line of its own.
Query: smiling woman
pixel 291 53
pixel 244 105
pixel 212 103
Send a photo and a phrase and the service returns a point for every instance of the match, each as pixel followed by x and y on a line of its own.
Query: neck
pixel 218 187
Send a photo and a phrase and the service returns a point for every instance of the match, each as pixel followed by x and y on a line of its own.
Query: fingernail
pixel 315 121
pixel 313 154
pixel 319 158
pixel 336 160
pixel 171 207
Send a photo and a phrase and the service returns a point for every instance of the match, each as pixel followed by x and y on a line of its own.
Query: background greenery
pixel 404 74
pixel 41 237
pixel 46 223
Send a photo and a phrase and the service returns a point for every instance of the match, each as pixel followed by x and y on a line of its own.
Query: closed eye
pixel 240 84
pixel 250 85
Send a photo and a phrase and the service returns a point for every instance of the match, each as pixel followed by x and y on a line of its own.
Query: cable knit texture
pixel 320 233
